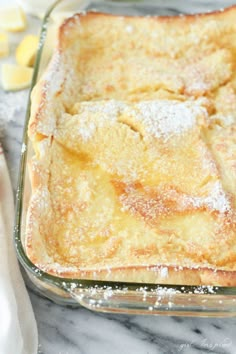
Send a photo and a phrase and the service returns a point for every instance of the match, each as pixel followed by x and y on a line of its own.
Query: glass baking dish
pixel 108 296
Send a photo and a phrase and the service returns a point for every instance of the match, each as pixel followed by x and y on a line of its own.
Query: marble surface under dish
pixel 80 331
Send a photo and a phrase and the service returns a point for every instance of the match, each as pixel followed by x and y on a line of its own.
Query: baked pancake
pixel 134 173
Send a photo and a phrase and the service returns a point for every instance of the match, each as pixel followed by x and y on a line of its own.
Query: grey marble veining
pixel 80 331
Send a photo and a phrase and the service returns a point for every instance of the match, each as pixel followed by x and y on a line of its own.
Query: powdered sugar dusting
pixel 102 113
pixel 164 118
pixel 86 131
pixel 216 200
pixel 129 28
pixel 55 76
pixel 164 272
pixel 160 118
pixel 60 269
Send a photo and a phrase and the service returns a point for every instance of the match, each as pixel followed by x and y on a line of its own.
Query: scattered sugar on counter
pixel 10 105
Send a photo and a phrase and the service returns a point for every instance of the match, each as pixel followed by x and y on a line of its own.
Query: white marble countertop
pixel 80 331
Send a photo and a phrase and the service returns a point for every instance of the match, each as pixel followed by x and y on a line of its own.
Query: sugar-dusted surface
pixel 67 331
pixel 163 119
pixel 80 331
pixel 148 191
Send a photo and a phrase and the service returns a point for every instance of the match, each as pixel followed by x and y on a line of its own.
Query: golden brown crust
pixel 51 90
pixel 189 17
pixel 179 216
pixel 149 275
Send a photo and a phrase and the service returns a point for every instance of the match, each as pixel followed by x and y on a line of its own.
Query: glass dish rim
pixel 65 283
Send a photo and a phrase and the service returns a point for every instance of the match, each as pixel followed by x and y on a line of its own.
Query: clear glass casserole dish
pixel 111 296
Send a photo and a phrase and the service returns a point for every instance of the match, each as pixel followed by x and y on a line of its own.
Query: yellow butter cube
pixel 4 45
pixel 12 19
pixel 26 50
pixel 15 77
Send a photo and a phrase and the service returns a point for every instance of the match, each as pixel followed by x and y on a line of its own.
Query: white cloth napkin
pixel 18 330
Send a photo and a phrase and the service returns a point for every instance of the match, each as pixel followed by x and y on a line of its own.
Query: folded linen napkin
pixel 18 330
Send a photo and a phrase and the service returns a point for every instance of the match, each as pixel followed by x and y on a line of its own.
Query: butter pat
pixel 12 19
pixel 4 45
pixel 15 77
pixel 26 50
